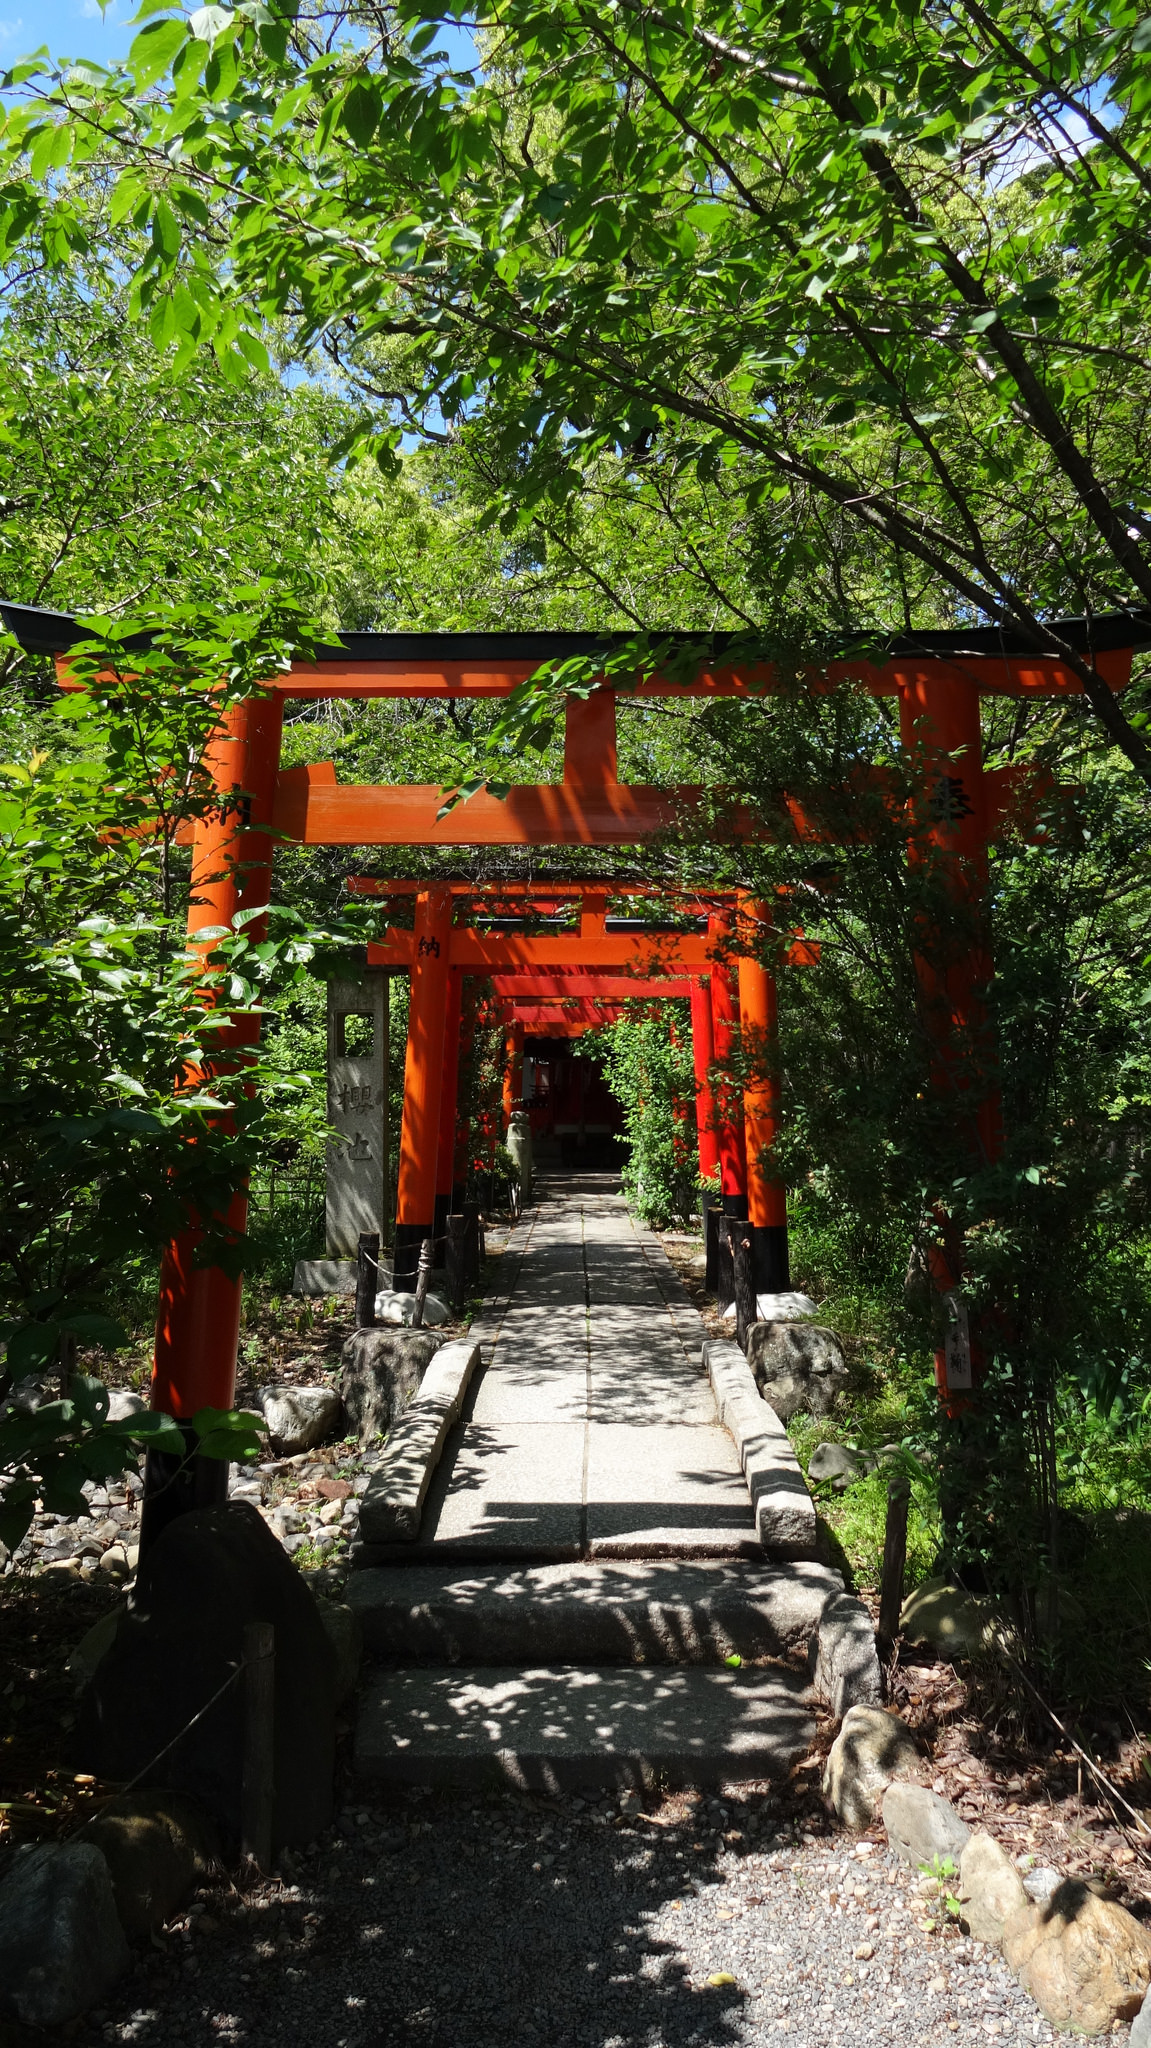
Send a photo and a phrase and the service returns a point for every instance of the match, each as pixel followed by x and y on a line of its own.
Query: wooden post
pixel 711 1215
pixel 259 1789
pixel 67 1358
pixel 471 1242
pixel 423 1274
pixel 724 1266
pixel 743 1278
pixel 894 1559
pixel 367 1278
pixel 455 1259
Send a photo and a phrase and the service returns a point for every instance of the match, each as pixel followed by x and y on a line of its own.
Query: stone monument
pixel 357 1177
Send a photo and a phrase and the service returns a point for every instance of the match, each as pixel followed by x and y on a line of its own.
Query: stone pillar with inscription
pixel 358 1112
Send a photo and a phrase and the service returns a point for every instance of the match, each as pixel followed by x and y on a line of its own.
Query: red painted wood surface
pixel 424 1063
pixel 759 1036
pixel 198 1312
pixel 1030 675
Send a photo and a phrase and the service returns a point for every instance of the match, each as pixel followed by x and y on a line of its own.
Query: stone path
pixel 588 1601
pixel 591 1430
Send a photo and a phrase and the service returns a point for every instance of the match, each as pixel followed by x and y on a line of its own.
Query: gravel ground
pixel 465 1925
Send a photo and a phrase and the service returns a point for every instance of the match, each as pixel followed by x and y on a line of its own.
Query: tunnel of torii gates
pixel 938 679
pixel 599 968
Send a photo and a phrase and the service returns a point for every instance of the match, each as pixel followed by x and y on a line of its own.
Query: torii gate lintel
pixel 938 679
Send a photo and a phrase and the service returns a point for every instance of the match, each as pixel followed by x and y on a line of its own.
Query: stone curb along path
pixel 1082 1957
pixel 588 1553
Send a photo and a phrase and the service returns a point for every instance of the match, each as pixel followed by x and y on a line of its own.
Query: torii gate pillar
pixel 766 1199
pixel 423 1083
pixel 513 1071
pixel 729 1129
pixel 198 1316
pixel 449 1103
pixel 941 728
pixel 702 1054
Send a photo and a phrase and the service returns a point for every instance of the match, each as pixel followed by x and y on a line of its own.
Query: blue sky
pixel 77 28
pixel 71 28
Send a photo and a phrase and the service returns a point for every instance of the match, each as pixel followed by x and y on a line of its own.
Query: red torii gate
pixel 735 1137
pixel 937 677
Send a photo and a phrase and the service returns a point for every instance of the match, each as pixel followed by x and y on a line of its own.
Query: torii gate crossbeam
pixel 938 679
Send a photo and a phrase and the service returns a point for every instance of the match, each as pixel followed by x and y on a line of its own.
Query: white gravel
pixel 511 1922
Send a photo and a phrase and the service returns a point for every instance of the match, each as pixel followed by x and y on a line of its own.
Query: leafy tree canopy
pixel 890 260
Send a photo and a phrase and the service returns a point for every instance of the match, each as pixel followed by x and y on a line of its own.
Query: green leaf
pixel 209 22
pixel 154 48
pixel 361 112
pixel 89 1397
pixel 92 1327
pixel 165 229
pixel 32 1345
pixel 253 348
pixel 17 1507
pixel 149 1426
pixel 228 1433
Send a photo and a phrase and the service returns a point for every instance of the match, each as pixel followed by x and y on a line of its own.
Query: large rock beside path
pixel 842 1466
pixel 922 1827
pixel 299 1417
pixel 1084 1960
pixel 872 1749
pixel 990 1888
pixel 381 1370
pixel 944 1618
pixel 797 1366
pixel 156 1844
pixel 209 1575
pixel 61 1945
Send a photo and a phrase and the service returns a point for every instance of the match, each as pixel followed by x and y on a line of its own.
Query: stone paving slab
pixel 546 1728
pixel 532 1394
pixel 620 1395
pixel 507 1489
pixel 672 1488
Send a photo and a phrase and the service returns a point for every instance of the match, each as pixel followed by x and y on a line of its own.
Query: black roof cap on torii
pixel 49 632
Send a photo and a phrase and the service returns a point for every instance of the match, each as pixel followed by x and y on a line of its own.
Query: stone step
pixel 635 1612
pixel 642 1612
pixel 547 1729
